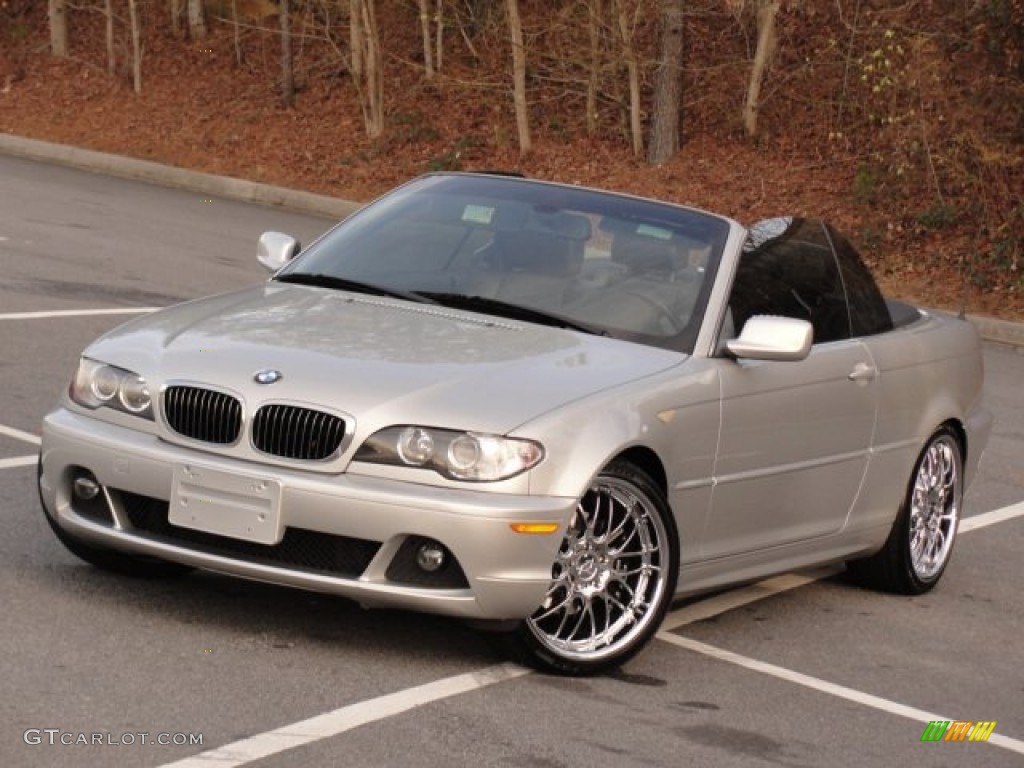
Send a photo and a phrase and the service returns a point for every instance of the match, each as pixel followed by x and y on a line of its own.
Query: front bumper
pixel 365 524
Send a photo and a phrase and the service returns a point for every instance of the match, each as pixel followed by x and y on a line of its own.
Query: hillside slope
pixel 901 122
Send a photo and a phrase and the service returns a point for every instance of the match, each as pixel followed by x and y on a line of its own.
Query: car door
pixel 795 436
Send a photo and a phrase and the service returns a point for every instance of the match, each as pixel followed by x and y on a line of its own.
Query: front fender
pixel 676 415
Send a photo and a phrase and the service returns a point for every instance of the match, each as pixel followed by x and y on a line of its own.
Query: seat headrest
pixel 642 253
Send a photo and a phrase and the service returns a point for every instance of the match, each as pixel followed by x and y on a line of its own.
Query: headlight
pixel 96 385
pixel 458 455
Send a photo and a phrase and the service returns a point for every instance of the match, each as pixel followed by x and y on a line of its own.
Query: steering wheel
pixel 663 311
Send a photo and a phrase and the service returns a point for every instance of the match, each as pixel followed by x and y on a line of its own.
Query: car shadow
pixel 270 615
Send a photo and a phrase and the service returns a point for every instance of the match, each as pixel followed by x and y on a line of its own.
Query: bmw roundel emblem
pixel 267 376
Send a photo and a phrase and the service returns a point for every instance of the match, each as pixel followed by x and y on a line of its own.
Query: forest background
pixel 901 122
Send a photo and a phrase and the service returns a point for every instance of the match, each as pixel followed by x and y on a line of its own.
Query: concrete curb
pixel 169 176
pixel 1000 331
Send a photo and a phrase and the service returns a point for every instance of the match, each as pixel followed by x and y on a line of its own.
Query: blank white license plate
pixel 239 506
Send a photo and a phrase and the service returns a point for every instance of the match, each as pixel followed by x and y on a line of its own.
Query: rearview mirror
pixel 766 337
pixel 275 249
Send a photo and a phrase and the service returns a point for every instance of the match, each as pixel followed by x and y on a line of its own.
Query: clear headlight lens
pixel 458 455
pixel 97 385
pixel 415 446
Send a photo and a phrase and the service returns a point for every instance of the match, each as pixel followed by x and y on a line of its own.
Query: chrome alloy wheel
pixel 935 507
pixel 608 582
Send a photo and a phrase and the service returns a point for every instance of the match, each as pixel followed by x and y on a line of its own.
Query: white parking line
pixel 991 518
pixel 19 461
pixel 77 313
pixel 17 434
pixel 346 718
pixel 736 598
pixel 841 691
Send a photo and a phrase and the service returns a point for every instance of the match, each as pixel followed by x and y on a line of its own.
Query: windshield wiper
pixel 345 284
pixel 513 311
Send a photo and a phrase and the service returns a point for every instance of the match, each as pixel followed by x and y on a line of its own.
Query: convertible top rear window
pixel 795 267
pixel 869 312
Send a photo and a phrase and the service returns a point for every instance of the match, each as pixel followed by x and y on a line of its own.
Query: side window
pixel 869 314
pixel 792 275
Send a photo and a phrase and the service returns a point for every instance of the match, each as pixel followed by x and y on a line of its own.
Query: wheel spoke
pixel 935 507
pixel 607 575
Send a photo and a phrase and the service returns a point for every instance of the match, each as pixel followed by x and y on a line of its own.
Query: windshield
pixel 610 264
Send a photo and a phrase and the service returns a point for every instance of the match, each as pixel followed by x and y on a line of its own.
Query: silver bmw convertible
pixel 545 409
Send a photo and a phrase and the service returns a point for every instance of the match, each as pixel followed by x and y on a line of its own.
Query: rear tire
pixel 611 583
pixel 921 541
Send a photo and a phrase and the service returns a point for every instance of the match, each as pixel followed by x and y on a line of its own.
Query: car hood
pixel 382 361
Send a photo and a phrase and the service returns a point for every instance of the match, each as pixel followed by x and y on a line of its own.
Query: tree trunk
pixel 58 28
pixel 766 13
pixel 177 12
pixel 367 64
pixel 515 26
pixel 374 71
pixel 236 33
pixel 595 18
pixel 668 85
pixel 633 70
pixel 439 21
pixel 108 11
pixel 428 48
pixel 355 41
pixel 196 20
pixel 287 76
pixel 133 16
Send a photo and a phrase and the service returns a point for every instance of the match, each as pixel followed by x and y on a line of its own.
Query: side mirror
pixel 275 249
pixel 766 337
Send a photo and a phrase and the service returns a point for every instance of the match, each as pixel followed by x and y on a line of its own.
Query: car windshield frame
pixel 616 265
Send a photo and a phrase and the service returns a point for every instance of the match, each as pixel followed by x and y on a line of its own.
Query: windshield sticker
pixel 657 232
pixel 478 214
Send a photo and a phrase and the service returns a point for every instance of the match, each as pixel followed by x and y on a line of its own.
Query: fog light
pixel 430 556
pixel 85 488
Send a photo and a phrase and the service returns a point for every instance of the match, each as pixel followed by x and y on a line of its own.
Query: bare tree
pixel 515 26
pixel 287 75
pixel 767 10
pixel 668 84
pixel 136 28
pixel 236 33
pixel 428 47
pixel 355 42
pixel 439 34
pixel 595 28
pixel 58 28
pixel 108 12
pixel 625 24
pixel 177 8
pixel 367 64
pixel 196 20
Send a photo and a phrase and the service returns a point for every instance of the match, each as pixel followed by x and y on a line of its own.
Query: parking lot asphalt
pixel 803 670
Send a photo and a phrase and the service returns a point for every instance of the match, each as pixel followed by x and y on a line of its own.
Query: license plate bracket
pixel 244 507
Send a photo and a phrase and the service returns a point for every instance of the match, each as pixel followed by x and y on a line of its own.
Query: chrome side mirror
pixel 275 249
pixel 766 337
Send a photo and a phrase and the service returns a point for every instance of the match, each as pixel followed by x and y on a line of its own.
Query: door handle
pixel 863 373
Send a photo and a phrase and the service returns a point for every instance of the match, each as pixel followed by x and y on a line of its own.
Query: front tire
pixel 921 541
pixel 612 581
